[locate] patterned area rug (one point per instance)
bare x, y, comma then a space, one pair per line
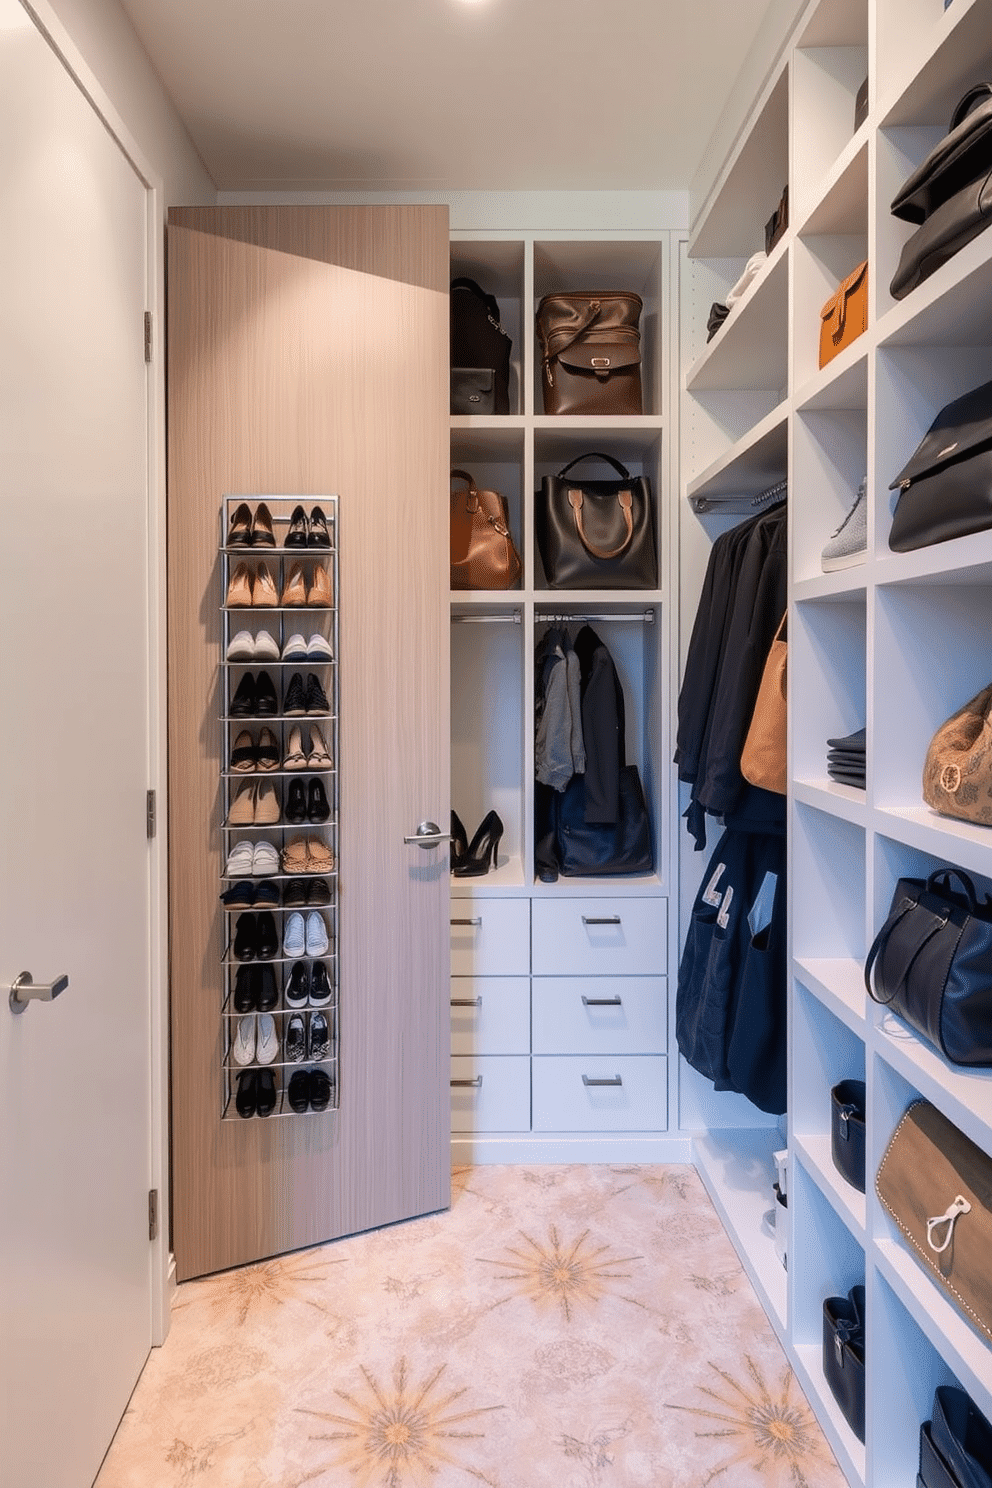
560, 1327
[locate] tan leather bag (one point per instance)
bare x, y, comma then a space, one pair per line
763, 760
591, 350
957, 772
845, 315
482, 552
937, 1186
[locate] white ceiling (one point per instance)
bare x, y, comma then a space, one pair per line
429, 95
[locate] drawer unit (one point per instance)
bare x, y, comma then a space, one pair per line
490, 937
491, 1093
600, 937
600, 1015
490, 1015
600, 1093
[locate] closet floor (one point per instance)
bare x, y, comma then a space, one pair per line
559, 1326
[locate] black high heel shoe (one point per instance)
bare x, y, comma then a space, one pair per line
459, 842
484, 845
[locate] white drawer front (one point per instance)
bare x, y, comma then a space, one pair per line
600, 1015
490, 1015
491, 1094
564, 1101
490, 937
600, 937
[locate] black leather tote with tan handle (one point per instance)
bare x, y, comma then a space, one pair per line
596, 534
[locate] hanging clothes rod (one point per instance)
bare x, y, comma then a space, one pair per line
545, 617
513, 619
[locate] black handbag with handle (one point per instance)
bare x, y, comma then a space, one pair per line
945, 489
931, 963
847, 1131
479, 345
844, 1355
596, 534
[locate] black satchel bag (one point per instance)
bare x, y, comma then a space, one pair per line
844, 1355
479, 345
604, 849
596, 534
956, 1445
945, 490
847, 1131
932, 964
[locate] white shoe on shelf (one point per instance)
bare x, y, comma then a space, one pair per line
243, 1048
268, 1039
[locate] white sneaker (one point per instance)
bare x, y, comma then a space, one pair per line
240, 860
265, 860
295, 939
266, 647
268, 1039
319, 649
295, 648
243, 1048
316, 934
242, 647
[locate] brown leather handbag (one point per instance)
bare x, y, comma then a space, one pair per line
763, 760
845, 315
483, 555
591, 350
957, 773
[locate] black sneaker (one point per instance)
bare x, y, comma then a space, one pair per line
295, 893
316, 697
296, 1039
266, 702
240, 895
268, 992
318, 892
320, 986
244, 700
245, 990
266, 892
320, 1036
294, 704
298, 1092
297, 989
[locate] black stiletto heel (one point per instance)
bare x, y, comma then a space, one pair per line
459, 842
483, 847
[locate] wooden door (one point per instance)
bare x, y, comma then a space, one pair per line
308, 355
75, 862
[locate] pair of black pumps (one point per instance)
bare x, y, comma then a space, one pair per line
307, 802
472, 859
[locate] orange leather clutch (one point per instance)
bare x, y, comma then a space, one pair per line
845, 315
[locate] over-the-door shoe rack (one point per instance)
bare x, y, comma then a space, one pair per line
281, 622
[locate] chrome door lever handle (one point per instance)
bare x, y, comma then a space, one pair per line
25, 989
428, 834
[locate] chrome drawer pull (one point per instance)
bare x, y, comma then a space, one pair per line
601, 920
601, 1002
476, 1084
476, 921
591, 1080
466, 1002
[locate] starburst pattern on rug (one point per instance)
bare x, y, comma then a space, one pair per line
405, 1434
560, 1274
273, 1283
775, 1435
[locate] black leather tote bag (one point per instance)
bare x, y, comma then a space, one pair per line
945, 490
962, 156
604, 849
956, 1445
478, 343
596, 534
847, 1131
931, 963
844, 1355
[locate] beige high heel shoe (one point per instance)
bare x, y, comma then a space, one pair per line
242, 812
295, 589
319, 594
267, 808
263, 594
239, 589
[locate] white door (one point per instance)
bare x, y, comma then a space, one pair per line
74, 741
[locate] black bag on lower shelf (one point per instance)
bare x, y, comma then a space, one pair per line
847, 1131
956, 1446
844, 1355
604, 849
478, 343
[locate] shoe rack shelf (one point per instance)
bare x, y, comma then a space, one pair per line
302, 836
895, 644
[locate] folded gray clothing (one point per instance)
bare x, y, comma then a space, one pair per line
845, 757
856, 740
848, 777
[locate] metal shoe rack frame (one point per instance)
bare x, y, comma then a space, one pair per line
281, 622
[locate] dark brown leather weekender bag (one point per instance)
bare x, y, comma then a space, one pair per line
591, 352
937, 1186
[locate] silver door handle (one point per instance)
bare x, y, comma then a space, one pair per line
476, 1084
601, 1002
466, 1002
476, 921
592, 1080
25, 989
428, 834
601, 920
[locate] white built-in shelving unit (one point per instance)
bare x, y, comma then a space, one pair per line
535, 978
895, 644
